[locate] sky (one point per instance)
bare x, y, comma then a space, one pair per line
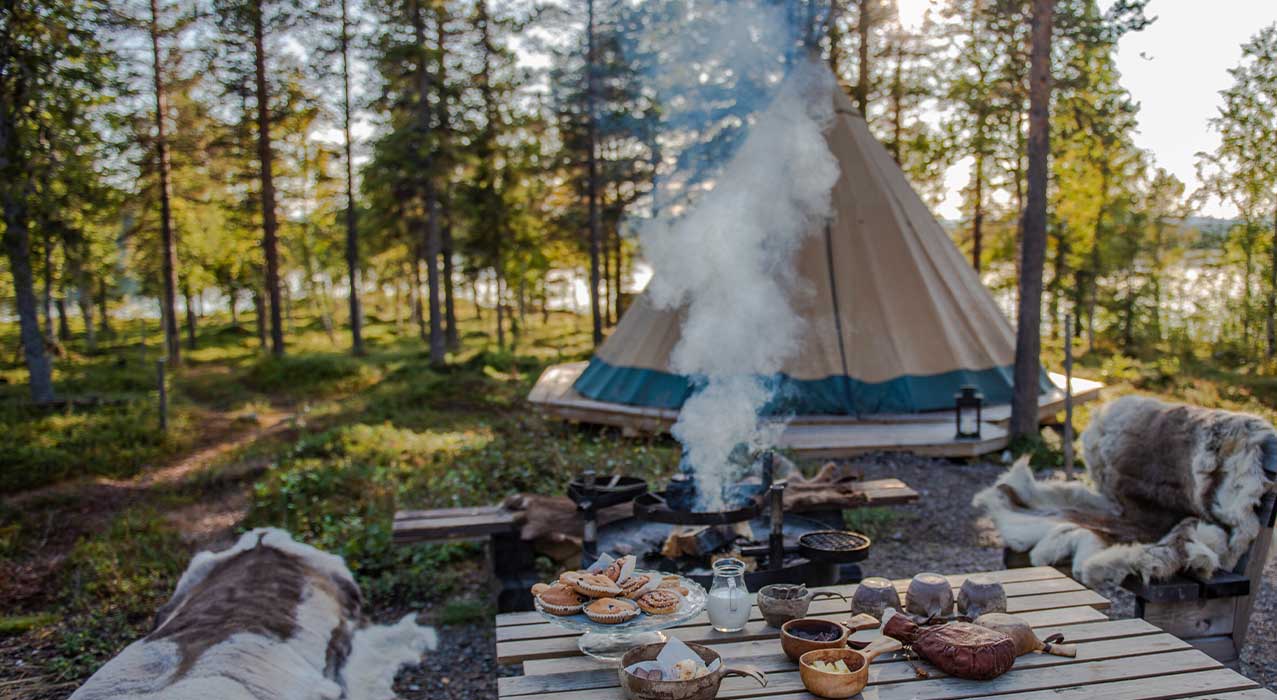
1175, 69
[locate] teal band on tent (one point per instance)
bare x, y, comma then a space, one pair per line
835, 395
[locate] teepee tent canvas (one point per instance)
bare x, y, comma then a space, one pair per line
897, 322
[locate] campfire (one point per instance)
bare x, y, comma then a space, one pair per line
669, 533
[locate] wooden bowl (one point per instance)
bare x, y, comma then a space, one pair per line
780, 603
703, 688
874, 596
929, 595
842, 685
795, 646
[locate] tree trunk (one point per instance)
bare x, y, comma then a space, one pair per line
64, 328
451, 337
592, 177
168, 245
897, 103
835, 38
17, 243
1272, 296
977, 220
429, 229
259, 308
1028, 345
232, 300
1247, 250
190, 316
49, 331
84, 299
617, 272
266, 156
499, 279
104, 318
352, 227
864, 22
414, 294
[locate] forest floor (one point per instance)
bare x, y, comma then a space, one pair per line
102, 511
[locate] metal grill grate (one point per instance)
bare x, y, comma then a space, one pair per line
834, 541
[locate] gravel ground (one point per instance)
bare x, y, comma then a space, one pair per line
941, 533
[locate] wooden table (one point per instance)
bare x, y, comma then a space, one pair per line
1116, 660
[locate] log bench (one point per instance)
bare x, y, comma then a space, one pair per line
1212, 614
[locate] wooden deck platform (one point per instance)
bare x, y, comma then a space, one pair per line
928, 433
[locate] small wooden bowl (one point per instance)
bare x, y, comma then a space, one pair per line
795, 646
842, 685
777, 607
874, 596
929, 595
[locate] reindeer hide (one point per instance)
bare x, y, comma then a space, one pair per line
267, 619
1173, 488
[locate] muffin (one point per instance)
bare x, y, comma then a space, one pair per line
659, 602
569, 578
596, 586
560, 600
611, 611
540, 588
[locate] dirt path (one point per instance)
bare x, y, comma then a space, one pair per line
70, 510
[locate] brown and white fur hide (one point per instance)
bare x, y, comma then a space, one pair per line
267, 619
1173, 488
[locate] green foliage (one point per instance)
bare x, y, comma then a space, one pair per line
116, 441
464, 612
876, 522
297, 375
132, 563
17, 624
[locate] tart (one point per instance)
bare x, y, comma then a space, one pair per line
560, 600
659, 602
611, 611
596, 586
635, 586
673, 583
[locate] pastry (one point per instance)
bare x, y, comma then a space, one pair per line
596, 586
611, 611
569, 578
560, 600
635, 586
540, 588
673, 583
687, 669
621, 569
659, 602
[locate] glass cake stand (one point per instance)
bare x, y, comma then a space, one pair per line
610, 642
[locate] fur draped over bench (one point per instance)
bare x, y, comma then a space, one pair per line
267, 619
1173, 489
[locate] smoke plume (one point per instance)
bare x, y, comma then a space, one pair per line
727, 259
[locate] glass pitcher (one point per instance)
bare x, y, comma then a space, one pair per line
728, 603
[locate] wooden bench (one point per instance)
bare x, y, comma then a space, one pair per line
1212, 614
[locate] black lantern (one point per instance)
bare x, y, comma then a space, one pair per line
967, 406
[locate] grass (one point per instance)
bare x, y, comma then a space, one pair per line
358, 439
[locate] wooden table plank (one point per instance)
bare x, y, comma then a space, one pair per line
1096, 641
884, 684
518, 651
1083, 631
1005, 577
1214, 684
